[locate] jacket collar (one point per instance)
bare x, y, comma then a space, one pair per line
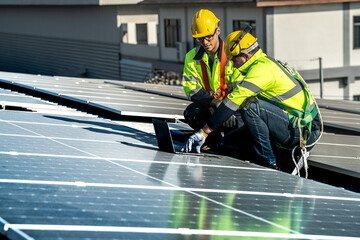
201, 51
245, 67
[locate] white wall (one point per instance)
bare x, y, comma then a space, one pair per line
302, 33
130, 33
334, 89
354, 88
131, 16
153, 33
331, 89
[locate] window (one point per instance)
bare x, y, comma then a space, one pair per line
239, 25
357, 32
172, 32
356, 97
141, 33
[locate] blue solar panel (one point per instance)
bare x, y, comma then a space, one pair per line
100, 94
66, 175
82, 177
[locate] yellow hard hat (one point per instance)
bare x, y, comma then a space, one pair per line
236, 43
204, 23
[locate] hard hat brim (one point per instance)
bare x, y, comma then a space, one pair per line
203, 34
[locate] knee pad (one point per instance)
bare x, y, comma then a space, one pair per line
196, 115
251, 107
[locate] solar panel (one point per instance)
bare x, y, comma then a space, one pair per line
78, 176
74, 178
17, 101
102, 95
8, 96
340, 105
337, 152
341, 120
165, 90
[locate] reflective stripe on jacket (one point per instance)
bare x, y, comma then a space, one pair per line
193, 83
265, 79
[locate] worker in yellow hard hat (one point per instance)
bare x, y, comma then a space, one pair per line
207, 76
274, 101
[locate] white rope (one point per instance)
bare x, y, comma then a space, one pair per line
303, 150
320, 117
293, 158
303, 147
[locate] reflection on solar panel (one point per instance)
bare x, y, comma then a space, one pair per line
118, 97
166, 90
77, 176
86, 178
102, 95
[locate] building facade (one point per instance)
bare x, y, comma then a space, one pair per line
130, 39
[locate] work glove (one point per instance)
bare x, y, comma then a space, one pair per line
231, 122
197, 140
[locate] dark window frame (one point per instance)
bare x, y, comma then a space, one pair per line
144, 27
240, 24
356, 38
172, 32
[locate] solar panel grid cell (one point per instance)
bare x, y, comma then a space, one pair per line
83, 177
96, 92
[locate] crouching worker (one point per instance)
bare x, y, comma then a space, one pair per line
274, 102
207, 76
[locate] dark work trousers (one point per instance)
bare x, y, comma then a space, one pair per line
269, 124
238, 142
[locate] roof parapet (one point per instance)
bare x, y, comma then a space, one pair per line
69, 2
276, 3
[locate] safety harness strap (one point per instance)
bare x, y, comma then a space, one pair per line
222, 92
223, 86
308, 114
298, 118
205, 76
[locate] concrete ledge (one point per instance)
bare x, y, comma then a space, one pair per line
69, 2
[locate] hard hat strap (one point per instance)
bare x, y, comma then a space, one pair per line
246, 30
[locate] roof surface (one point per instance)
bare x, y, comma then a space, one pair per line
68, 174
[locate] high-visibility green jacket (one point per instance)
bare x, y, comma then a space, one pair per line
268, 80
193, 78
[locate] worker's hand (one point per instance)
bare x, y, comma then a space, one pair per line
231, 122
197, 139
215, 103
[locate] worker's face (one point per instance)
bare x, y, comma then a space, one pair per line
211, 42
240, 60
